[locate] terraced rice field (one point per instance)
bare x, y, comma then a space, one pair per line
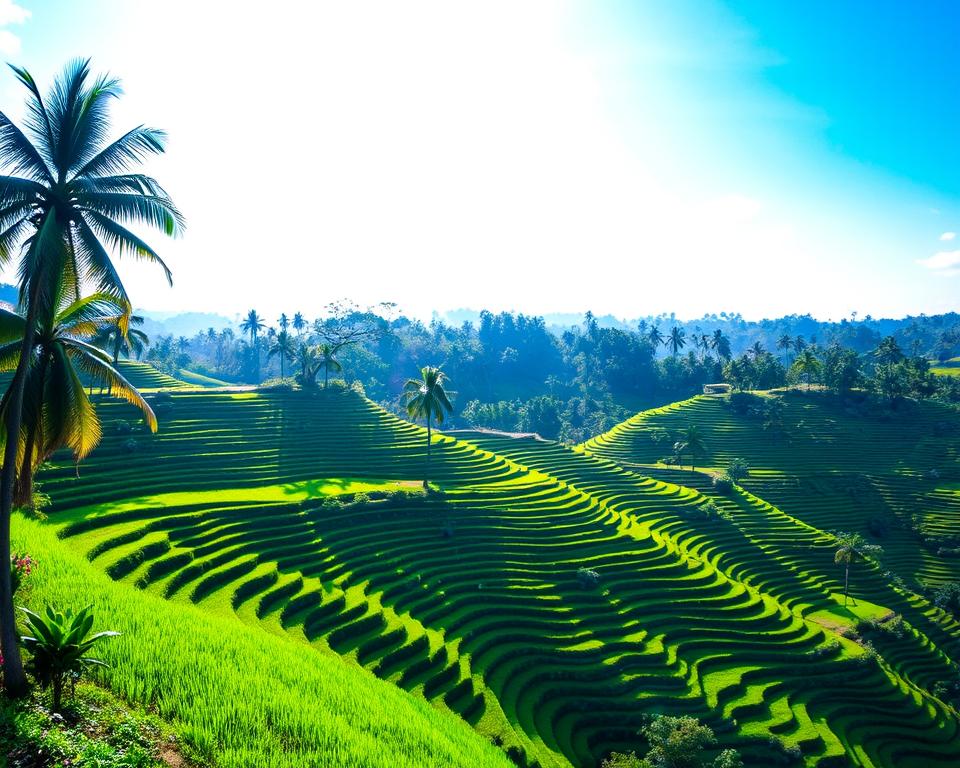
145, 377
949, 367
831, 466
470, 597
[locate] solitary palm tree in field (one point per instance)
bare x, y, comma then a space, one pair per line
283, 346
70, 197
785, 344
852, 547
807, 365
655, 336
57, 411
326, 361
426, 399
299, 323
252, 324
676, 340
720, 344
691, 442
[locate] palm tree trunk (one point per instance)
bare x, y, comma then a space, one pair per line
281, 364
426, 473
326, 376
15, 681
23, 494
846, 584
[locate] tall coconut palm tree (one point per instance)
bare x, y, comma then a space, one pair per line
756, 351
57, 411
252, 324
299, 323
283, 346
283, 321
799, 344
852, 547
655, 337
692, 442
426, 398
67, 201
807, 365
677, 340
785, 344
325, 353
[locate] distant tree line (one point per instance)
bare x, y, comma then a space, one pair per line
512, 372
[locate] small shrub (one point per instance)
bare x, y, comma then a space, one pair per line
587, 578
123, 428
709, 510
738, 469
623, 760
130, 446
723, 484
59, 644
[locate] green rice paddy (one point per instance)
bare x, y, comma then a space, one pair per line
469, 598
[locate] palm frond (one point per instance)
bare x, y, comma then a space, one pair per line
38, 121
96, 364
124, 241
138, 183
135, 146
92, 124
69, 418
157, 211
94, 262
64, 105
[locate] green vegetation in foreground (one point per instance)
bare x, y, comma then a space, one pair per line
95, 729
241, 695
473, 598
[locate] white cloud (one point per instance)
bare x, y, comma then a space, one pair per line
943, 263
9, 43
948, 236
11, 13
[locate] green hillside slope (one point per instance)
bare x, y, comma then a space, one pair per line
891, 474
474, 598
249, 698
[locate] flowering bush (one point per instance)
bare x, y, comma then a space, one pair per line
21, 566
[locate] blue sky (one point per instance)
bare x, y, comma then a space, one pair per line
623, 157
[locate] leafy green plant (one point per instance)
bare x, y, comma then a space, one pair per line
59, 642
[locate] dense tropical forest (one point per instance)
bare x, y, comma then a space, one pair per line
519, 374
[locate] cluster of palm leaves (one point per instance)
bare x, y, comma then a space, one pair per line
67, 199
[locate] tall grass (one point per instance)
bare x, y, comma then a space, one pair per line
248, 698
